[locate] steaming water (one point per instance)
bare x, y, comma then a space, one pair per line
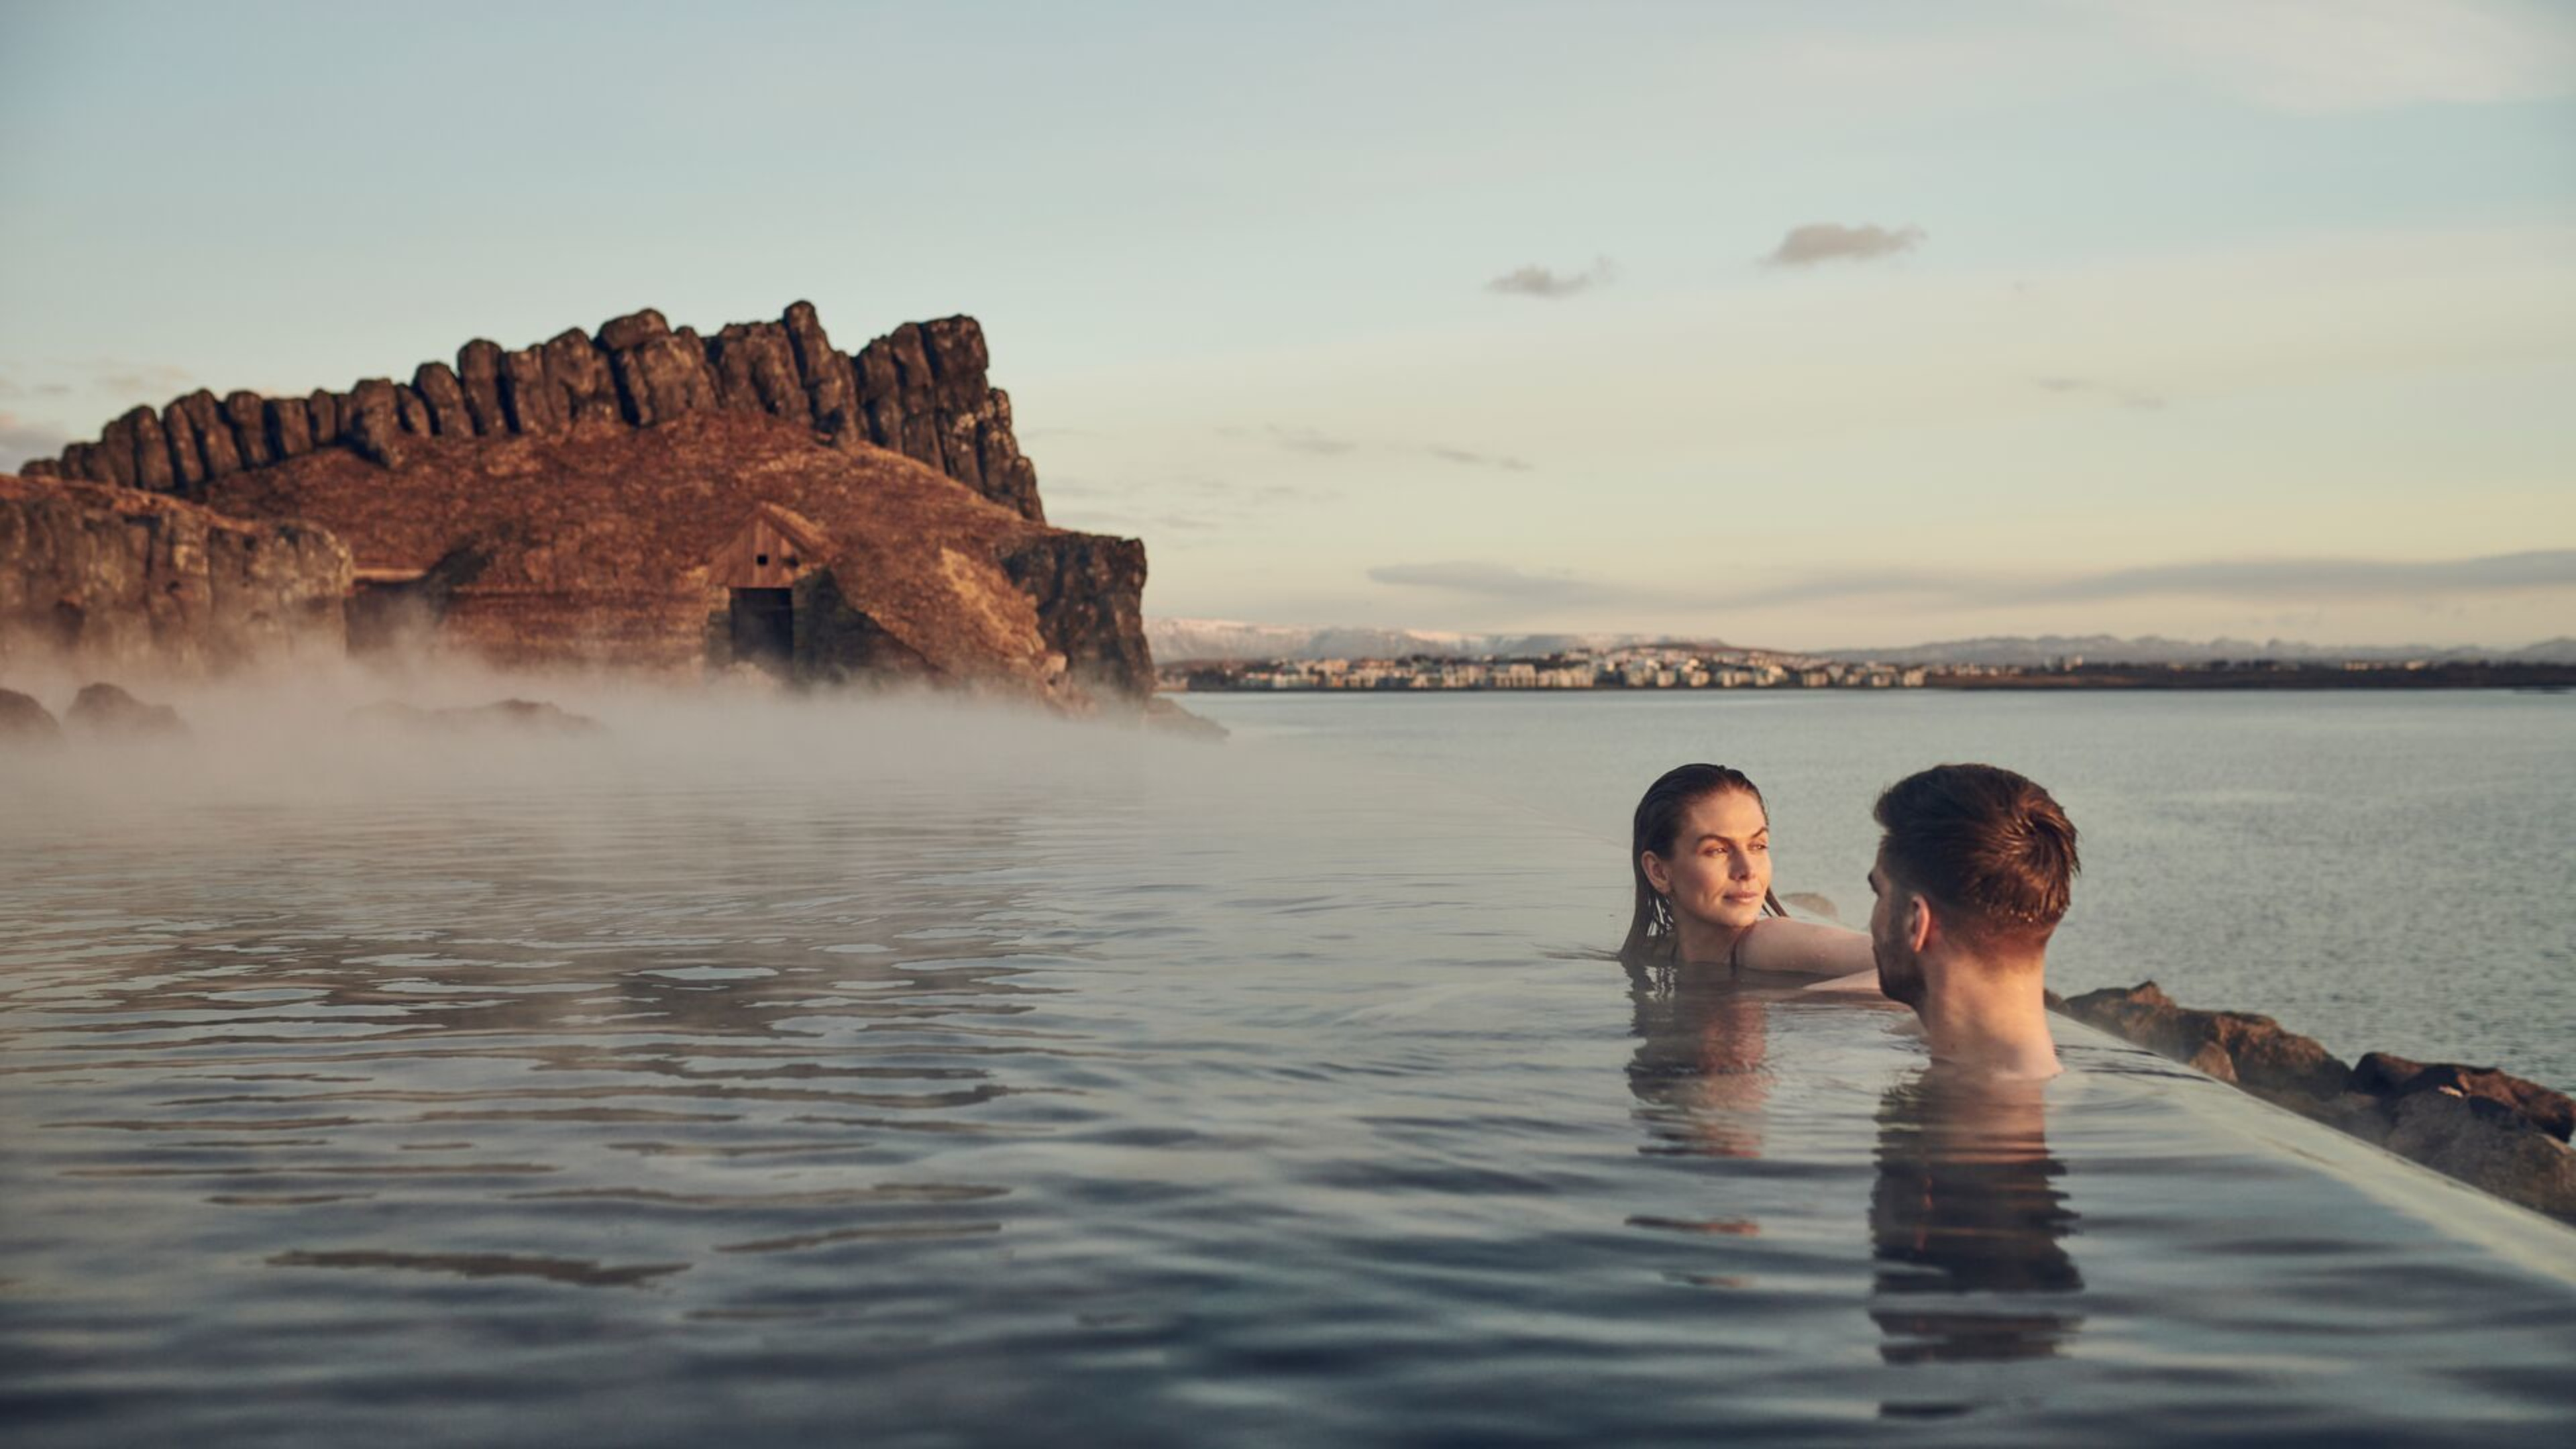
897, 1076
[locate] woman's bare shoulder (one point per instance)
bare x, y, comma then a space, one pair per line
1804, 948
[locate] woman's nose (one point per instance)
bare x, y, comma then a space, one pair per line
1739, 866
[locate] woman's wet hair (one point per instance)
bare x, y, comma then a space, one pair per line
1658, 821
1990, 845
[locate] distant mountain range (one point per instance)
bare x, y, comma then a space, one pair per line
1179, 640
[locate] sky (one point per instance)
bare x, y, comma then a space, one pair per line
1803, 324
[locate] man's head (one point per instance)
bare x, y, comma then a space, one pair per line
1975, 863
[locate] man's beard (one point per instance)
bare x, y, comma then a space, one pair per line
1900, 975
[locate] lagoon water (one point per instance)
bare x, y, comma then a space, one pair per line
2385, 871
909, 1076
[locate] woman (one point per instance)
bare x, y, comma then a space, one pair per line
1701, 851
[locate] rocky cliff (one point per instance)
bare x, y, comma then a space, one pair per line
611, 550
123, 579
599, 497
920, 391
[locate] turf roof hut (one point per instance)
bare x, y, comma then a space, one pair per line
758, 567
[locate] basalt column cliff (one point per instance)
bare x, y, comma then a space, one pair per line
645, 496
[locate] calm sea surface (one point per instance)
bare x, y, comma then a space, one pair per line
2391, 872
843, 1074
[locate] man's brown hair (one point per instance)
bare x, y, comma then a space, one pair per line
1989, 844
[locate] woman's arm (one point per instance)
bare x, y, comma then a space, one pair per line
1802, 948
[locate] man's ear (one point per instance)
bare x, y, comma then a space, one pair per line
1656, 876
1918, 922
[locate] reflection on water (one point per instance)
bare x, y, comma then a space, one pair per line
1698, 1074
1969, 1224
975, 1088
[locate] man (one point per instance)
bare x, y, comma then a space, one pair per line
1974, 871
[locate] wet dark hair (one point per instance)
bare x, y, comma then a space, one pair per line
1658, 820
1988, 844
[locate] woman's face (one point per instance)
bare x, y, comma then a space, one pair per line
1720, 868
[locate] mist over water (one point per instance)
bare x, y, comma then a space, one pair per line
768, 1067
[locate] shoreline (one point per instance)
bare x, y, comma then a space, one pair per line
2526, 679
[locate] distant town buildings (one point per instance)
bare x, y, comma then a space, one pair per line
1671, 666
1632, 667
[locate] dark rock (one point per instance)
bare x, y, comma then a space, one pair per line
25, 722
437, 385
534, 717
2381, 1074
954, 348
730, 357
1090, 592
290, 428
2213, 1060
1002, 474
116, 451
831, 381
874, 366
322, 416
41, 468
371, 423
2252, 1051
2493, 1131
246, 418
884, 422
87, 461
2357, 1113
755, 368
913, 378
922, 391
151, 451
585, 392
526, 398
187, 463
958, 458
122, 581
411, 410
478, 373
214, 438
2487, 1145
663, 377
921, 441
620, 334
107, 712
